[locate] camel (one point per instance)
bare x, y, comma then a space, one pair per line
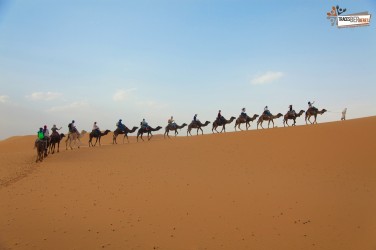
143, 130
264, 117
288, 116
73, 137
247, 121
41, 149
98, 136
120, 132
55, 139
223, 124
170, 127
198, 125
312, 112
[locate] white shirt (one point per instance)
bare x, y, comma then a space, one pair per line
47, 133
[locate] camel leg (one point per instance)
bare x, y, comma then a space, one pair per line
176, 132
315, 120
126, 135
58, 146
99, 141
150, 135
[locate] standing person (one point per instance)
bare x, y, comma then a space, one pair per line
343, 118
95, 129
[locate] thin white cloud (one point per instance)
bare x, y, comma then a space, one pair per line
4, 98
44, 96
122, 94
267, 77
72, 106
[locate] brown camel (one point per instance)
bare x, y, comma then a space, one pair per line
55, 139
198, 125
98, 136
73, 137
264, 117
247, 121
148, 130
41, 149
313, 112
293, 117
222, 123
171, 127
126, 131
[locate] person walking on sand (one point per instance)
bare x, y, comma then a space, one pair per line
343, 118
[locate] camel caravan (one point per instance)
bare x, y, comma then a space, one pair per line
46, 144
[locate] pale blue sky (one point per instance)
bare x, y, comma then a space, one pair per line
105, 60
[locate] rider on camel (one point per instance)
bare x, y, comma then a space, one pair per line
220, 117
144, 124
72, 128
54, 130
96, 129
291, 111
243, 114
172, 122
310, 106
120, 125
266, 111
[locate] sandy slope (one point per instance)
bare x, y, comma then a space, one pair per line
307, 187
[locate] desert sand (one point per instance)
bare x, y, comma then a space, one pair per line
303, 187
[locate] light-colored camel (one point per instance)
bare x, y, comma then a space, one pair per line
264, 117
247, 121
222, 123
289, 116
198, 125
175, 128
313, 112
73, 137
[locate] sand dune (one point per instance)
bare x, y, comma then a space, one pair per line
304, 187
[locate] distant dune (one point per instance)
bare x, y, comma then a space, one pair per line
303, 187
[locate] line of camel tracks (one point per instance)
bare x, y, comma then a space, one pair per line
46, 147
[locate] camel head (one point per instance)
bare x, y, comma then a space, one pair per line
232, 118
279, 115
323, 111
206, 123
158, 128
83, 132
107, 131
255, 116
299, 114
62, 135
184, 124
